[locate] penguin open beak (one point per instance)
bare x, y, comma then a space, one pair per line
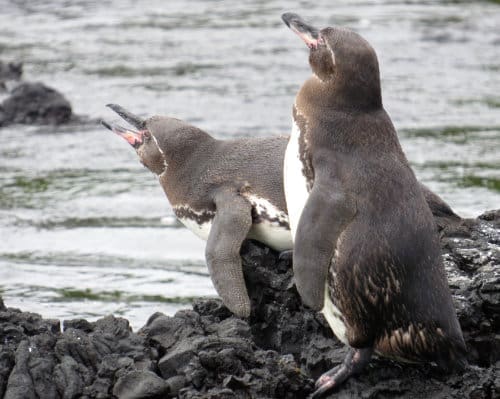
134, 138
134, 120
306, 32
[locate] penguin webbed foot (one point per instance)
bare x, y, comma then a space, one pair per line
353, 364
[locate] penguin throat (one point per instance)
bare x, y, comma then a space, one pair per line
165, 165
322, 79
345, 94
356, 88
160, 176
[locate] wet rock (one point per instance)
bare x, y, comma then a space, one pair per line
139, 385
471, 251
178, 357
206, 352
35, 103
29, 102
70, 377
473, 266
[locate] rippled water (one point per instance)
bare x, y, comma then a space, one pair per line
86, 231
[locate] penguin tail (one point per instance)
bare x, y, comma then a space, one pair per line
453, 357
425, 345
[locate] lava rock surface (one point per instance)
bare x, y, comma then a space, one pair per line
30, 102
208, 353
35, 103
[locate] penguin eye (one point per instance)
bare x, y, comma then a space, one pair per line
147, 135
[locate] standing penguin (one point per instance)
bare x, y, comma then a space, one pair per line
366, 251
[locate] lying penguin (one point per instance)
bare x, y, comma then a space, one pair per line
224, 191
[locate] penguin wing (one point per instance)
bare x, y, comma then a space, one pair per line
327, 212
231, 224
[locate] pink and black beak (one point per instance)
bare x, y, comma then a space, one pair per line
309, 34
134, 137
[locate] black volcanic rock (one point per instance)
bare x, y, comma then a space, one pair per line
30, 102
35, 103
208, 353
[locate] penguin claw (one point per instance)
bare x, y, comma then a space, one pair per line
353, 363
327, 385
327, 377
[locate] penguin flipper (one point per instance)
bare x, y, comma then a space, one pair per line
231, 224
327, 212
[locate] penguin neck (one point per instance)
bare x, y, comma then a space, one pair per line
177, 140
345, 92
180, 152
188, 162
322, 104
181, 161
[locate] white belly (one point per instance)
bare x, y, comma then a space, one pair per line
334, 318
278, 238
294, 181
272, 228
201, 230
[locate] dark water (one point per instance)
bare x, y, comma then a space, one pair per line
86, 231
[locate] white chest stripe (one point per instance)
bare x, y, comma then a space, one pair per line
296, 195
334, 318
294, 181
163, 155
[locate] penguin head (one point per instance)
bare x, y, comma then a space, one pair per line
159, 141
342, 60
144, 142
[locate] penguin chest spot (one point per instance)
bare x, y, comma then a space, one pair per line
269, 224
294, 179
199, 222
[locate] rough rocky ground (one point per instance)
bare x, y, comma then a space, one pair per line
207, 353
